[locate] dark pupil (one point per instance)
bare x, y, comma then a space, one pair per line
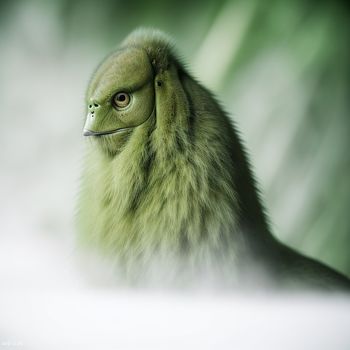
121, 97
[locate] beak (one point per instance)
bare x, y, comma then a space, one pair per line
87, 132
90, 133
90, 125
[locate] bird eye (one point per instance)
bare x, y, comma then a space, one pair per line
121, 100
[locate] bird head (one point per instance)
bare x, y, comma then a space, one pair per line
137, 89
120, 96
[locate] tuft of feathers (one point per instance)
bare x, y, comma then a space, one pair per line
167, 189
160, 47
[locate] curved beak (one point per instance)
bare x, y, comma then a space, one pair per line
87, 132
90, 125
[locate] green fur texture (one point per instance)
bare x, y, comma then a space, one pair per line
172, 188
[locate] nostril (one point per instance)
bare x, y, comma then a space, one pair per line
96, 105
90, 106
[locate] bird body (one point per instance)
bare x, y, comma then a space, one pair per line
167, 188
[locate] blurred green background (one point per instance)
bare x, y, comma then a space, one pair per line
280, 68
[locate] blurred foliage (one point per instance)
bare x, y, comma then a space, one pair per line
281, 68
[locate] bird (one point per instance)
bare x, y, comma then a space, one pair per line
167, 190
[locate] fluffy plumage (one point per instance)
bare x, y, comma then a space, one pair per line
166, 187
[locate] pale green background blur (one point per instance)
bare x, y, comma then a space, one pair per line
280, 68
